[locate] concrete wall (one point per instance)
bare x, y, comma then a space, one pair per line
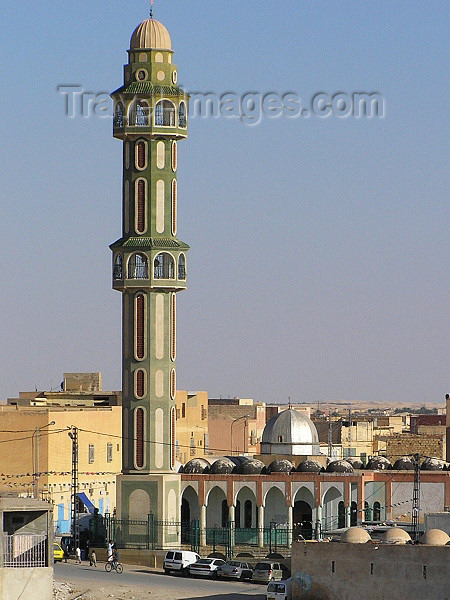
337, 571
440, 520
26, 584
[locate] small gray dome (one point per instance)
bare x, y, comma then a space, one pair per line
196, 466
222, 466
355, 535
396, 535
252, 466
405, 463
434, 537
280, 465
309, 466
339, 466
355, 462
378, 463
433, 464
290, 432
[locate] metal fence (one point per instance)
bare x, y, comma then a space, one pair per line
23, 550
151, 534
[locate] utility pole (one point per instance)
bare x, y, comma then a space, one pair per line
36, 458
416, 498
73, 434
330, 435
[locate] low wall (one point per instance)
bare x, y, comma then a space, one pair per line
339, 571
26, 584
131, 556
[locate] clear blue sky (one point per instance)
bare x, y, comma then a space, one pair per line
319, 266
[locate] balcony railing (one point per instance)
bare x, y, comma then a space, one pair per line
25, 551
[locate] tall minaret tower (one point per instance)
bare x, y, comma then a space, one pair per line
149, 268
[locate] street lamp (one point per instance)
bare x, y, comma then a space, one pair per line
235, 421
36, 457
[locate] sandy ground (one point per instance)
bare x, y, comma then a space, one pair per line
77, 591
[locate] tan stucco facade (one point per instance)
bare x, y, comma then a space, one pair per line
192, 433
99, 454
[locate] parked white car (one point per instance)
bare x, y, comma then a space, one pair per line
279, 590
206, 567
179, 561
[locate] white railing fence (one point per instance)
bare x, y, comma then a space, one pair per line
24, 550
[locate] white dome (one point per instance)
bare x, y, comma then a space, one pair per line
150, 34
290, 432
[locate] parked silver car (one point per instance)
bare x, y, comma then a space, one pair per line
270, 571
235, 569
206, 567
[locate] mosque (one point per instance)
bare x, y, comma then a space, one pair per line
290, 483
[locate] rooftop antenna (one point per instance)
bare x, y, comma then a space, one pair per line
151, 8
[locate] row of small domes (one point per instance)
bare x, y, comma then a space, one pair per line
395, 535
251, 466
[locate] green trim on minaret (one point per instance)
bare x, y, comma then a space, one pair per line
149, 261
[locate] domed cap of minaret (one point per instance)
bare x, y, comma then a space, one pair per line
150, 34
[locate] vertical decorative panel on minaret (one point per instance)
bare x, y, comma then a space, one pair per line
149, 261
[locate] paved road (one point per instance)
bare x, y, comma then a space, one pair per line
151, 584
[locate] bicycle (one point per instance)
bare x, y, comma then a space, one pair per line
114, 565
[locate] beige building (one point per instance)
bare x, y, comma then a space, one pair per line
396, 446
236, 426
192, 434
36, 456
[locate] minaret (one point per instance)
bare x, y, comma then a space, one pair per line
149, 268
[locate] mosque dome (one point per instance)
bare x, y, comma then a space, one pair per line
433, 464
434, 537
252, 466
355, 462
339, 466
150, 34
196, 466
280, 465
290, 432
309, 466
396, 535
222, 466
404, 463
355, 535
378, 463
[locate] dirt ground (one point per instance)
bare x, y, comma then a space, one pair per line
72, 591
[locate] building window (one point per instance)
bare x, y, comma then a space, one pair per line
183, 410
174, 156
139, 437
109, 453
91, 453
140, 326
182, 115
138, 267
173, 451
341, 515
164, 266
367, 512
165, 114
141, 198
376, 511
118, 117
353, 514
193, 449
247, 514
182, 267
204, 413
174, 207
141, 155
173, 384
280, 438
118, 270
225, 513
139, 116
140, 383
173, 328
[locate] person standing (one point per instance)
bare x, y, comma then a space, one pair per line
93, 559
78, 555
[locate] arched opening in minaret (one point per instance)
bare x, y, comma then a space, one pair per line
118, 270
182, 267
139, 115
182, 121
164, 266
138, 267
165, 114
119, 116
